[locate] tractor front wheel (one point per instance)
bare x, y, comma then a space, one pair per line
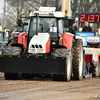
77, 62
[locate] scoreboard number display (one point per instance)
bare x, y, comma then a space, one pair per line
90, 17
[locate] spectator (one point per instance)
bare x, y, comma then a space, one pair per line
96, 32
87, 28
73, 28
88, 65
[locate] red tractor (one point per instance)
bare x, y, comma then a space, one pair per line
46, 50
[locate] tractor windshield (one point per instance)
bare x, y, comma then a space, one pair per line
45, 25
25, 28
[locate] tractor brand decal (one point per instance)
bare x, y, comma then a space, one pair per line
44, 14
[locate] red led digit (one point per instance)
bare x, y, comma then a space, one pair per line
82, 19
90, 18
97, 18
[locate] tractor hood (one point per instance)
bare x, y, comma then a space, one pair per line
39, 43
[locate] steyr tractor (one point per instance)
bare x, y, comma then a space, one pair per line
46, 50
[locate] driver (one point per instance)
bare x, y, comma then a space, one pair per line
44, 24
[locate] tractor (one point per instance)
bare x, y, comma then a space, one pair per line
47, 49
14, 35
4, 36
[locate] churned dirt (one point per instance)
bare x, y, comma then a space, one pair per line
47, 89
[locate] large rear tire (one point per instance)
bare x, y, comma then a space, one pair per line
16, 51
64, 53
77, 62
7, 51
12, 51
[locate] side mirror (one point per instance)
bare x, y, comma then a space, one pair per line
19, 22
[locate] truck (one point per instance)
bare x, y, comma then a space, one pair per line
46, 50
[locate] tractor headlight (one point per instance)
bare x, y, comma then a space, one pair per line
53, 43
40, 50
32, 50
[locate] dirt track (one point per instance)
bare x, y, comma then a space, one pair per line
46, 89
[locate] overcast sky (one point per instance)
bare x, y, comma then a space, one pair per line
1, 6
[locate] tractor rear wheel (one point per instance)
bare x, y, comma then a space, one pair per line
17, 51
12, 51
64, 53
77, 62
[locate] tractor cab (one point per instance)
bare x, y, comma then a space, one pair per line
24, 26
48, 25
45, 23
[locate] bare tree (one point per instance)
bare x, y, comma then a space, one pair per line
85, 6
17, 8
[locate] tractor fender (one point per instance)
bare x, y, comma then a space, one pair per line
22, 39
68, 40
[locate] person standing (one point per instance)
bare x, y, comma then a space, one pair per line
86, 28
73, 28
96, 32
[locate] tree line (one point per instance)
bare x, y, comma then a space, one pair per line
17, 8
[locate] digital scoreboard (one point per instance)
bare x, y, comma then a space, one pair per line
90, 17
